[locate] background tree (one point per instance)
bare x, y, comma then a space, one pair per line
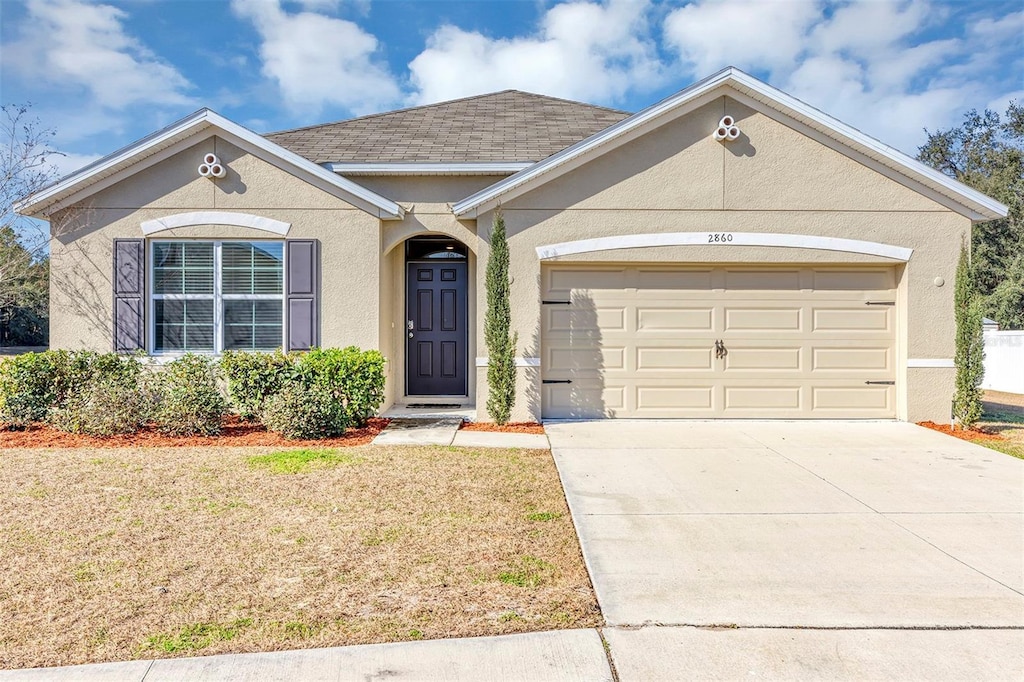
501, 344
24, 265
987, 153
969, 354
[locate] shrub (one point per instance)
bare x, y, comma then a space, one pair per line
969, 353
501, 342
254, 377
34, 383
189, 402
103, 408
354, 377
305, 411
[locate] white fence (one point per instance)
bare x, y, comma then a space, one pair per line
1004, 361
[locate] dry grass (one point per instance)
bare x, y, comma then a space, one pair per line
120, 554
1004, 415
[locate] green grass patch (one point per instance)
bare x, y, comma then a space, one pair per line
299, 461
528, 571
196, 636
1005, 447
299, 630
543, 516
1003, 417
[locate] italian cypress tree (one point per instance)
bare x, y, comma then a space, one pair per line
970, 349
501, 344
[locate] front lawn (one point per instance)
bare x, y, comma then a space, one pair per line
1004, 415
116, 554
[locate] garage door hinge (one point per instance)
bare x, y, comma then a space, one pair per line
557, 302
879, 302
880, 383
556, 381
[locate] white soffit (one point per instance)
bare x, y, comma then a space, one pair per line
119, 165
967, 201
798, 241
469, 168
215, 218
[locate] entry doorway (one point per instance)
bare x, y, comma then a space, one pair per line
436, 321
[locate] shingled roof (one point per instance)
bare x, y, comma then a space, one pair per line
506, 126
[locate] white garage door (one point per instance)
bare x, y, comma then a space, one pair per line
733, 341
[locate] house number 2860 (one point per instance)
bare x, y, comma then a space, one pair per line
719, 237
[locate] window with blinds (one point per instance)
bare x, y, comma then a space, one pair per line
213, 296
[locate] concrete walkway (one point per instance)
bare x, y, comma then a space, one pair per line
444, 431
567, 655
639, 655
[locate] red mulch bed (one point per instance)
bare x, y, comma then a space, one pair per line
511, 427
235, 433
963, 434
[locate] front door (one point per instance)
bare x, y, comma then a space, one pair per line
436, 328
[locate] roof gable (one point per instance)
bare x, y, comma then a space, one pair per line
508, 127
761, 97
155, 147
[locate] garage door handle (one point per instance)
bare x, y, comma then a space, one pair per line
880, 383
879, 302
720, 350
557, 302
556, 381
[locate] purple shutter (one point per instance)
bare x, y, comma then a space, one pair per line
302, 285
129, 295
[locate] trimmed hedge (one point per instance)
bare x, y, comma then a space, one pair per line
301, 411
32, 384
252, 378
353, 377
189, 402
107, 393
104, 408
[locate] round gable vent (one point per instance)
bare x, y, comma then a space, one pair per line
211, 167
727, 130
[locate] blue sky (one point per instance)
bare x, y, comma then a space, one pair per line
104, 74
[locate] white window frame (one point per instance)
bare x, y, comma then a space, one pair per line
218, 296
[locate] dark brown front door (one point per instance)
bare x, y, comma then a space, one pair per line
436, 328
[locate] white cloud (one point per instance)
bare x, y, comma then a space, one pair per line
864, 27
581, 50
748, 34
865, 62
318, 60
72, 42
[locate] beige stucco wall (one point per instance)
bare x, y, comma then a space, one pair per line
677, 178
82, 241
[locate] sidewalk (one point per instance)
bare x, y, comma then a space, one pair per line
640, 654
445, 431
561, 656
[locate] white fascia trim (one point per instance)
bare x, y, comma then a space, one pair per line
739, 80
931, 362
215, 218
109, 163
797, 241
389, 210
520, 362
483, 168
120, 160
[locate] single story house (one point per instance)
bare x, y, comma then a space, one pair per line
729, 252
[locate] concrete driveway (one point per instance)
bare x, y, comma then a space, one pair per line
868, 526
